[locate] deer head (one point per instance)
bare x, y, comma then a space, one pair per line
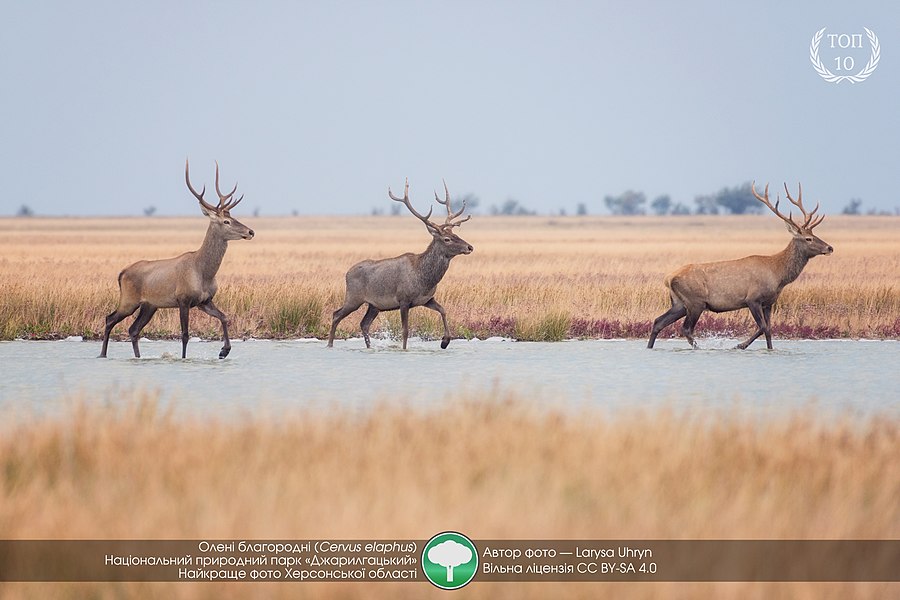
220, 215
802, 232
442, 233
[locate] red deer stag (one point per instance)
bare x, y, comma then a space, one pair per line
408, 280
753, 282
182, 282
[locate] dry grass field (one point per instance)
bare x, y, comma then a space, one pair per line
511, 471
532, 278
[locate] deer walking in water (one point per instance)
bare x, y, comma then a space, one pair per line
754, 282
182, 282
408, 280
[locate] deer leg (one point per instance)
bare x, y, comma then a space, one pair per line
211, 309
757, 311
183, 312
367, 322
664, 320
337, 317
767, 313
134, 332
113, 319
433, 305
404, 321
687, 328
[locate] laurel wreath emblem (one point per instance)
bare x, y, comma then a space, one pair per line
830, 77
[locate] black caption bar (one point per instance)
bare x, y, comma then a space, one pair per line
498, 560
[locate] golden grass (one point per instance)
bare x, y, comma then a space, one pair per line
529, 277
495, 468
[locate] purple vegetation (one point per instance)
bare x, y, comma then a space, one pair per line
809, 332
607, 329
709, 325
890, 331
495, 326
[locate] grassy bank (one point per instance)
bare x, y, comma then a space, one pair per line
491, 467
531, 278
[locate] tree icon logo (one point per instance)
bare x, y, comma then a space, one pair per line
450, 560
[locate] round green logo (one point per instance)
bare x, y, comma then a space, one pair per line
450, 560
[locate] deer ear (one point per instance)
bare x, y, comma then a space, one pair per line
795, 231
433, 230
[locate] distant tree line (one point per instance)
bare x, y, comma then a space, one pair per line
511, 207
854, 207
737, 200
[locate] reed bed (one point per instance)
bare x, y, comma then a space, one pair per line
497, 467
531, 278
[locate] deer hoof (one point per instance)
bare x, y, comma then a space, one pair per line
224, 352
445, 342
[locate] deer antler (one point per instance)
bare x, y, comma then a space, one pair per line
405, 200
810, 219
774, 209
450, 214
224, 204
187, 180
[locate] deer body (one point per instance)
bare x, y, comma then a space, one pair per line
731, 284
409, 279
183, 282
405, 281
168, 283
753, 282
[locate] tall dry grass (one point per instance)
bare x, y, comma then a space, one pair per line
532, 278
494, 468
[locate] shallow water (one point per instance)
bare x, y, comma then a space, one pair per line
857, 377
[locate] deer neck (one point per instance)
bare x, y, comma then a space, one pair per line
433, 264
792, 260
209, 256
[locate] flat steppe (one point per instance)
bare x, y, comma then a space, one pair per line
531, 278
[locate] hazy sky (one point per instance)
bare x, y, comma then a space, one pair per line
319, 106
